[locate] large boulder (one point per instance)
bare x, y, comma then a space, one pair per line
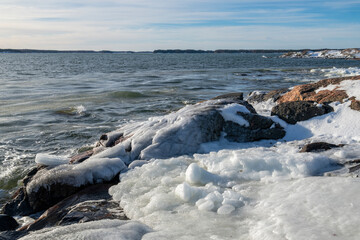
313, 92
292, 112
259, 128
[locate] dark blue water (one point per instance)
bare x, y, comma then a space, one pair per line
57, 103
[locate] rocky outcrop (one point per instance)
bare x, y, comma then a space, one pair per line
307, 92
349, 53
319, 147
292, 112
7, 223
256, 97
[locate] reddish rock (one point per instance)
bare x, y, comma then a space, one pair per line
307, 92
355, 105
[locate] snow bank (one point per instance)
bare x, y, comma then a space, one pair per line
103, 229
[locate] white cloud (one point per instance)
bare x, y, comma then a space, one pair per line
147, 25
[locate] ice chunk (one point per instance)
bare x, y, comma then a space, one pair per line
50, 160
226, 209
187, 192
197, 175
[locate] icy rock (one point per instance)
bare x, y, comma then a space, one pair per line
255, 97
49, 186
293, 112
92, 203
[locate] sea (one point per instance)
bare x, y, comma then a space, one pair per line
58, 103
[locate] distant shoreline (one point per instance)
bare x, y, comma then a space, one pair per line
160, 51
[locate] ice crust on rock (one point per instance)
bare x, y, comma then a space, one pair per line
93, 170
102, 229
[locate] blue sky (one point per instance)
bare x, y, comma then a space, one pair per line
198, 24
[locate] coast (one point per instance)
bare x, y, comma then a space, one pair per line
278, 141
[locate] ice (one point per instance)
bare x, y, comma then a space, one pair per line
102, 229
308, 208
338, 72
229, 114
93, 170
50, 160
197, 175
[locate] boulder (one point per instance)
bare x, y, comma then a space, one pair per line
355, 105
255, 97
7, 223
292, 112
307, 92
319, 147
18, 205
90, 204
259, 128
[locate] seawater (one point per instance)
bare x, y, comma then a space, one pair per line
58, 103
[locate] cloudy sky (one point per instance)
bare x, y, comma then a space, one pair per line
161, 24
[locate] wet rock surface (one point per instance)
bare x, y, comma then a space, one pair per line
293, 112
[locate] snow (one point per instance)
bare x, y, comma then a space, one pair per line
338, 72
229, 113
103, 229
259, 190
249, 190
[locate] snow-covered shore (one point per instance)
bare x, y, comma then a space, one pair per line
350, 53
178, 183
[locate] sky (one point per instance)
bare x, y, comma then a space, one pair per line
144, 25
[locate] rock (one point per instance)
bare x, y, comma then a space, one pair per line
81, 156
260, 127
355, 105
354, 168
7, 223
255, 97
11, 235
307, 92
233, 96
90, 204
19, 205
319, 147
292, 112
